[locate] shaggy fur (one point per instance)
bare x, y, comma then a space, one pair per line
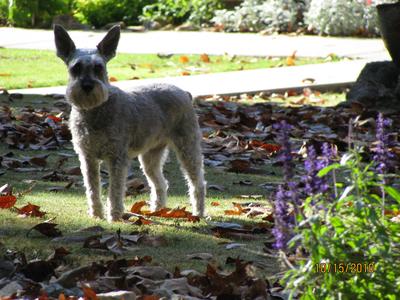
110, 125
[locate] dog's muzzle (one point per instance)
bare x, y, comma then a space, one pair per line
87, 85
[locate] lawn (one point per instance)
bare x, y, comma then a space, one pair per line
180, 238
68, 206
41, 68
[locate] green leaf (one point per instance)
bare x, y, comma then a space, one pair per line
395, 194
345, 158
327, 169
346, 191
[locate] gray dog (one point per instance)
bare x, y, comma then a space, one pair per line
110, 125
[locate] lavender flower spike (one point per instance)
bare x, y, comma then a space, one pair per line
286, 151
382, 155
282, 220
314, 184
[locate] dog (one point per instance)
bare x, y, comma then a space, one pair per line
111, 126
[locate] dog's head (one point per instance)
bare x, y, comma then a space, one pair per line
88, 79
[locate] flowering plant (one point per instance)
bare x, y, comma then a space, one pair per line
350, 242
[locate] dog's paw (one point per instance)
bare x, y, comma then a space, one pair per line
96, 214
114, 217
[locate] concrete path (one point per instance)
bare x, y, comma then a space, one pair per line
205, 42
319, 76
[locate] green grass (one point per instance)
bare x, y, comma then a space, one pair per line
41, 68
69, 210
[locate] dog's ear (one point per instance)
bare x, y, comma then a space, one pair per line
108, 46
64, 44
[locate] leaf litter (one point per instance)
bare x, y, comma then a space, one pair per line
237, 138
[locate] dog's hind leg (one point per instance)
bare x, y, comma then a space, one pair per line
90, 169
188, 151
118, 171
152, 163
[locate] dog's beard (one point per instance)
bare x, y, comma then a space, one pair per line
86, 101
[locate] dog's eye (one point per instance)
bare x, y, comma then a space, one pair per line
76, 69
98, 69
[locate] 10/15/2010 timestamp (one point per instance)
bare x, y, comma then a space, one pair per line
343, 267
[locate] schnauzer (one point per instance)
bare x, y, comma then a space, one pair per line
113, 126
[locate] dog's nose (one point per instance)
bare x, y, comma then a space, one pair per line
87, 85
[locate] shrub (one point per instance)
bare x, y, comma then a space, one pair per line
36, 13
343, 17
101, 12
257, 15
3, 12
176, 12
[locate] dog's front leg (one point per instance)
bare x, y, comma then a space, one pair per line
90, 169
118, 169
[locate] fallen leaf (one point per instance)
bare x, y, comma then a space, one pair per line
291, 60
31, 210
308, 80
60, 188
183, 59
185, 73
7, 201
244, 182
150, 297
137, 207
216, 187
38, 270
39, 160
238, 210
205, 58
46, 228
240, 166
88, 293
54, 118
113, 79
215, 203
76, 171
142, 221
6, 190
200, 256
234, 246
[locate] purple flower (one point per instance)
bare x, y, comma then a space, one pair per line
313, 183
286, 157
283, 222
328, 154
382, 155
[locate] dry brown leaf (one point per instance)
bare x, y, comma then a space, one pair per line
205, 58
291, 60
31, 210
137, 207
237, 211
7, 201
46, 228
183, 59
88, 293
142, 221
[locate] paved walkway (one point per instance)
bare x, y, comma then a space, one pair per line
318, 76
205, 42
